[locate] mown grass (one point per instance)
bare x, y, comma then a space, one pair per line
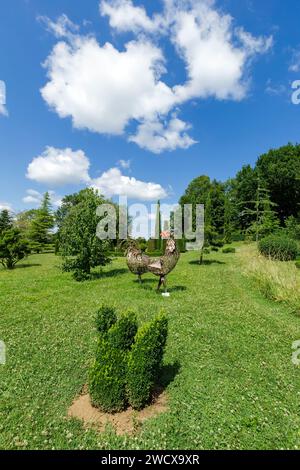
231, 382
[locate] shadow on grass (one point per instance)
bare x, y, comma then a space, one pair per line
176, 289
27, 265
111, 273
168, 373
206, 262
153, 284
145, 281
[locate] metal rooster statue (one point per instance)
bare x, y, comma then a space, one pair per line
139, 263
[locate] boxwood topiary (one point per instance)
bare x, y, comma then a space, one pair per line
145, 360
279, 248
122, 334
105, 318
107, 378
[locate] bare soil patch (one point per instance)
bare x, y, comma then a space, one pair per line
125, 422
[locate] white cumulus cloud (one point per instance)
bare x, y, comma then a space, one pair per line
159, 137
103, 88
5, 206
114, 183
35, 197
65, 166
57, 167
125, 16
119, 86
215, 54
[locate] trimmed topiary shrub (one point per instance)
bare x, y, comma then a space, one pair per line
122, 334
105, 318
278, 248
145, 361
297, 264
107, 378
127, 360
229, 249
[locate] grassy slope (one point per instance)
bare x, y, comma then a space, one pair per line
236, 387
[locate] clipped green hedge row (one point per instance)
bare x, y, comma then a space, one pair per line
127, 361
278, 248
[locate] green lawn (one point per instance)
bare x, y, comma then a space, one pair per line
231, 382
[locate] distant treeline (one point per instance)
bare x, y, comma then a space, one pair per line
257, 202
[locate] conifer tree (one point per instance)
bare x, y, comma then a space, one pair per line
42, 224
6, 221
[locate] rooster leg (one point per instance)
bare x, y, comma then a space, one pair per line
165, 283
159, 283
140, 278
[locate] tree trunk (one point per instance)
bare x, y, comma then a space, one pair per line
201, 257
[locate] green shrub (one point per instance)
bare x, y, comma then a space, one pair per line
123, 332
105, 318
214, 248
278, 247
145, 361
297, 264
238, 237
107, 380
206, 251
117, 254
229, 249
108, 376
127, 360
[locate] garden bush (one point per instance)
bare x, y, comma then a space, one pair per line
107, 376
107, 380
229, 249
297, 264
105, 318
145, 361
127, 360
278, 247
117, 254
123, 332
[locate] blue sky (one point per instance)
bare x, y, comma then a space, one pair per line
179, 90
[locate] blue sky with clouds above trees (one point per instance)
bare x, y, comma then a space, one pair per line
137, 97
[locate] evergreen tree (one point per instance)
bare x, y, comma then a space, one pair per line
266, 220
42, 223
13, 247
6, 221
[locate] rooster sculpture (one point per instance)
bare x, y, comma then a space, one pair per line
139, 263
